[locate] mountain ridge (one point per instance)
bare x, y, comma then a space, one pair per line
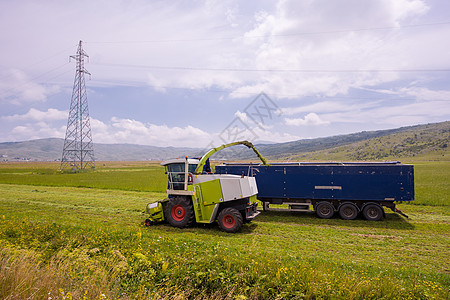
403, 142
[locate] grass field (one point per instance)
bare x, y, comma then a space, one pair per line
79, 236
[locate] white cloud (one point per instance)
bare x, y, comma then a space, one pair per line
402, 9
36, 115
323, 107
34, 124
156, 83
17, 87
241, 115
37, 130
135, 132
397, 113
329, 44
190, 36
274, 136
418, 92
309, 119
425, 94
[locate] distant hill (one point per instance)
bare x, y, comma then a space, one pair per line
411, 141
51, 150
430, 139
36, 150
435, 134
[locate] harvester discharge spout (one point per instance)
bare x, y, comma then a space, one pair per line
208, 154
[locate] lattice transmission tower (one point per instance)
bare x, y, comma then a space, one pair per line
78, 151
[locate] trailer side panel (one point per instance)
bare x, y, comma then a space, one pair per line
331, 181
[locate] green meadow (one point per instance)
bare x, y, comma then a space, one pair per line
80, 236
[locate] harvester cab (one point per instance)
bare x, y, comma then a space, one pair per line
197, 195
178, 178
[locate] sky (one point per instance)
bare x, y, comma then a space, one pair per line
202, 73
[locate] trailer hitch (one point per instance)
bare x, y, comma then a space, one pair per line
396, 210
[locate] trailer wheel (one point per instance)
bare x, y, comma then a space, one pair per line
325, 210
230, 220
348, 211
179, 212
373, 212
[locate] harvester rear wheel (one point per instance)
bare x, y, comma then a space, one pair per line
230, 220
179, 212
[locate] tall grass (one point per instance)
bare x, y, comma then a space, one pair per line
92, 242
115, 264
65, 241
65, 275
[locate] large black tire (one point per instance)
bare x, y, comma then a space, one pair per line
325, 210
373, 212
348, 211
230, 220
179, 212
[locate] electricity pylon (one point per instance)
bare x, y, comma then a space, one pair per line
78, 151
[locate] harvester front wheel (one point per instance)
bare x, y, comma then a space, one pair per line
230, 220
179, 212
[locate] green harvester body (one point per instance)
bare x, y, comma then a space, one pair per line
196, 195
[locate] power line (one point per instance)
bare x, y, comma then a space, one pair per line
229, 91
50, 57
271, 70
41, 61
273, 35
32, 80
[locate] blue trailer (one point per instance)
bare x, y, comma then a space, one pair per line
344, 188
